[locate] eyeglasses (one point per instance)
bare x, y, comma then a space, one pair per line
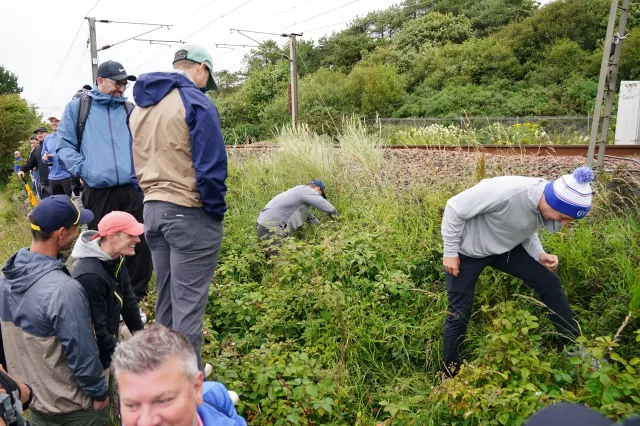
120, 84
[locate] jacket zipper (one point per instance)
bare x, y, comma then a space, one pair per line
113, 146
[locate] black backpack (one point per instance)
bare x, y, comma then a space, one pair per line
84, 106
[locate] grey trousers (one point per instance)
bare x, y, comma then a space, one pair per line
185, 244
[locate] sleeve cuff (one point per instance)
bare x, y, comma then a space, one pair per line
451, 253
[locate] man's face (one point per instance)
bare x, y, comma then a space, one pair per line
34, 143
164, 397
552, 214
41, 135
123, 243
112, 87
54, 122
16, 155
67, 236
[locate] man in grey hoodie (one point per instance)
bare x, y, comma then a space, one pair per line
289, 210
496, 223
102, 272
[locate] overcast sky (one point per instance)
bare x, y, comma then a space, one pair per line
36, 35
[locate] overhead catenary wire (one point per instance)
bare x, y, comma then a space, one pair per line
320, 14
195, 32
68, 51
279, 32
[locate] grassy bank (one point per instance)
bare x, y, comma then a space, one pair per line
345, 327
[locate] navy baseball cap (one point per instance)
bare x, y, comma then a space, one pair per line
58, 211
319, 184
114, 71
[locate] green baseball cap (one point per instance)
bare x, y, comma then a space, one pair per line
196, 53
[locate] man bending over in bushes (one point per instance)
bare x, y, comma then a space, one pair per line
495, 223
289, 210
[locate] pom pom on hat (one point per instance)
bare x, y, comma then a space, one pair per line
571, 194
583, 174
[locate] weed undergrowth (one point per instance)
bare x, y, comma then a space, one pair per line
345, 326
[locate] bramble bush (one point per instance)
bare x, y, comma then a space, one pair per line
345, 326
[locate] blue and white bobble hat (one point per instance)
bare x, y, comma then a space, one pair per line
571, 194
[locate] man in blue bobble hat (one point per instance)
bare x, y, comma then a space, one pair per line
496, 223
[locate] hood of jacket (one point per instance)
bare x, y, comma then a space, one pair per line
25, 267
152, 87
217, 407
85, 247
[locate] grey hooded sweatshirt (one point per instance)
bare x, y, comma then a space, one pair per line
290, 209
496, 216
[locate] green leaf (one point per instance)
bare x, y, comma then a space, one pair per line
293, 418
605, 380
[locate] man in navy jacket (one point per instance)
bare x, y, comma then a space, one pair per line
181, 165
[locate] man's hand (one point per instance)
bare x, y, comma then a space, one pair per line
21, 174
99, 405
46, 156
451, 265
549, 261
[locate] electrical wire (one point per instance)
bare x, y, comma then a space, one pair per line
195, 32
318, 15
67, 55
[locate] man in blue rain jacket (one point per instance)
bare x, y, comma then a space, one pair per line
99, 154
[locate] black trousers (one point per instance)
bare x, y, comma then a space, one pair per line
272, 237
60, 187
126, 198
517, 263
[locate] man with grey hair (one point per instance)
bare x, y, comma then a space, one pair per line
159, 383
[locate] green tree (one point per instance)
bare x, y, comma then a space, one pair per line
17, 119
8, 82
377, 89
565, 59
344, 49
267, 53
435, 29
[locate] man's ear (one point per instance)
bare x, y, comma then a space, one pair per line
199, 379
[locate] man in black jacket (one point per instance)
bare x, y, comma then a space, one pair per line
35, 162
102, 273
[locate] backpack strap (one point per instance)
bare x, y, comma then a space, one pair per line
84, 105
128, 107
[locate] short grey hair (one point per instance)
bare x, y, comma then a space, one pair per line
185, 64
148, 349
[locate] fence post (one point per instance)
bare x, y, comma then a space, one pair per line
461, 125
517, 120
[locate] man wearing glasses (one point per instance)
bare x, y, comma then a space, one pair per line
99, 152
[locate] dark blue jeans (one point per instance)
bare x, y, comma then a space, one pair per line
517, 263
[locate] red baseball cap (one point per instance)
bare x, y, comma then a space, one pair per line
116, 222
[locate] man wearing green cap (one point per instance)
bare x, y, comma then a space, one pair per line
181, 165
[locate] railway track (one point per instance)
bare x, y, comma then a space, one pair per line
543, 150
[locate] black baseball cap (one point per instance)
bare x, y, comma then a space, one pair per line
114, 71
40, 129
58, 211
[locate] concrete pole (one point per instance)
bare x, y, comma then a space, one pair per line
94, 48
294, 80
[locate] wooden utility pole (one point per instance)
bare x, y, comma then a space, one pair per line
94, 48
608, 80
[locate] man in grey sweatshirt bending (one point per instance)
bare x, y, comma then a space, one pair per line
289, 210
496, 223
